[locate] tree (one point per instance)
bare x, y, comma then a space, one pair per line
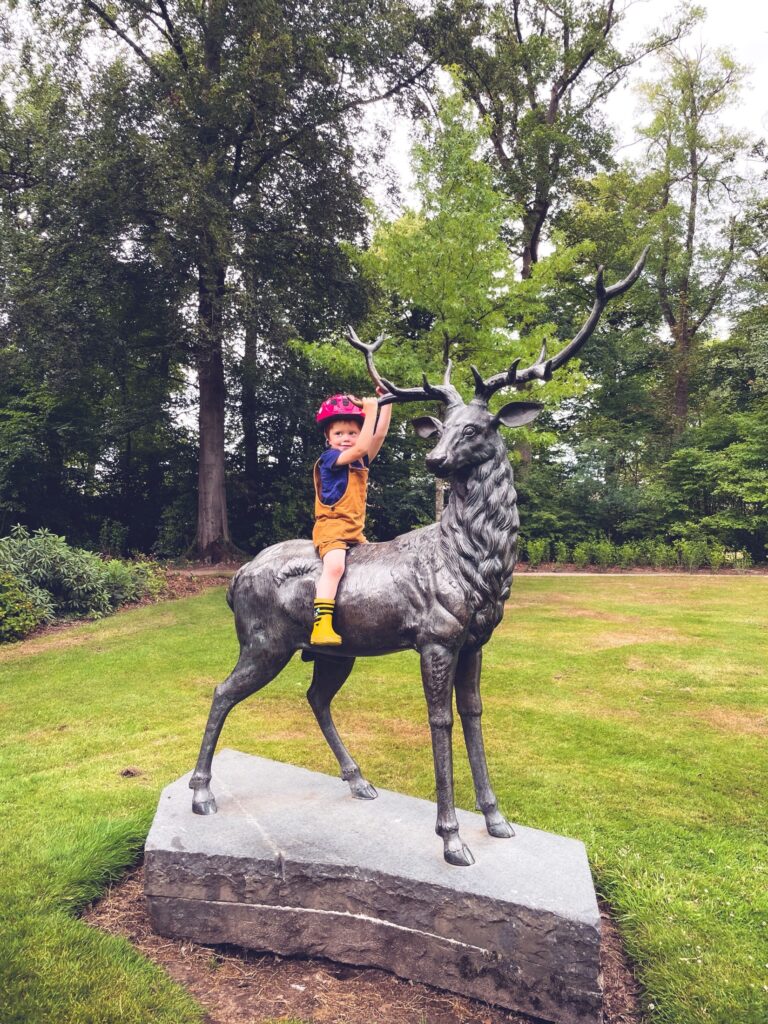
696, 195
449, 283
91, 344
540, 74
235, 88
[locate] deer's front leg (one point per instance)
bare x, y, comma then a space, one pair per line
438, 666
470, 708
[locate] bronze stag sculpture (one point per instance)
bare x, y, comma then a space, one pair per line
439, 590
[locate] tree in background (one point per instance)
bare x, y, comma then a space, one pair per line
449, 285
540, 74
663, 445
92, 344
695, 194
236, 88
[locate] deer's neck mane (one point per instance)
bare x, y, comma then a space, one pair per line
478, 534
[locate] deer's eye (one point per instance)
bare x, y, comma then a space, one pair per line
468, 432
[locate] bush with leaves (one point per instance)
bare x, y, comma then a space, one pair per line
693, 554
61, 580
18, 613
582, 554
562, 555
537, 551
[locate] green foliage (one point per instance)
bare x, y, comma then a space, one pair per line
18, 613
583, 554
59, 580
536, 552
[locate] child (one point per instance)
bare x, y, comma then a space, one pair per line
354, 438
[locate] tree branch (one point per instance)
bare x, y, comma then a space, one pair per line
103, 16
275, 151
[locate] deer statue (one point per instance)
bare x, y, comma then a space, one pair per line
439, 590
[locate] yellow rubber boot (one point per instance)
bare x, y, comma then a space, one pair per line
323, 631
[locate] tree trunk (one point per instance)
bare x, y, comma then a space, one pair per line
248, 411
212, 541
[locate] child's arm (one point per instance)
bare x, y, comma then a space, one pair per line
385, 415
365, 439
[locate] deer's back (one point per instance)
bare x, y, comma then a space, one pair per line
394, 595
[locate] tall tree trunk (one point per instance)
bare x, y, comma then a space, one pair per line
212, 542
681, 382
248, 410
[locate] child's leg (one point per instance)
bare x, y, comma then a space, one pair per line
334, 564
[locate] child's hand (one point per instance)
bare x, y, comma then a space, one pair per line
365, 403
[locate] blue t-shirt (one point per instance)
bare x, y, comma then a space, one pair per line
333, 478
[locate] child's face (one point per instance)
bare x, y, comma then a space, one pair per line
343, 434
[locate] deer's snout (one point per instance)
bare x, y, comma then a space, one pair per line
436, 463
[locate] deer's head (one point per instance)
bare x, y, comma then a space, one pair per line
468, 434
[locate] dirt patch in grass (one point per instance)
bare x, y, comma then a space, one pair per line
237, 987
608, 640
742, 723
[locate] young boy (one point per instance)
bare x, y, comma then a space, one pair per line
354, 438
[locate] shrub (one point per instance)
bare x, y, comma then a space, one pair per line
151, 579
663, 556
18, 612
716, 556
121, 582
113, 537
605, 553
629, 554
537, 551
561, 552
740, 559
582, 554
60, 580
693, 554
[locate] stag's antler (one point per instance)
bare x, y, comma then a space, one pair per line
543, 368
368, 351
444, 392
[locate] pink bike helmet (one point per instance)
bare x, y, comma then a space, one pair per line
339, 407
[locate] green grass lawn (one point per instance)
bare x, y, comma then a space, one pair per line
629, 711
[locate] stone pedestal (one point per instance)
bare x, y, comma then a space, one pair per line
293, 864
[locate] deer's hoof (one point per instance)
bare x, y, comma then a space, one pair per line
460, 856
204, 802
362, 789
500, 828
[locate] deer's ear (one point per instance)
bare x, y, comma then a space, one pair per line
426, 426
517, 414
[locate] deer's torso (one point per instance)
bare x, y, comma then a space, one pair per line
444, 584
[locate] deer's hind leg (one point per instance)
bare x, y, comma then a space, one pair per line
255, 668
470, 708
329, 676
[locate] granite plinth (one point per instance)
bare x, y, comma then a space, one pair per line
292, 864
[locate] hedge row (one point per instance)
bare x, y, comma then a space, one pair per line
42, 578
685, 554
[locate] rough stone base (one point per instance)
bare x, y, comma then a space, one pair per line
293, 864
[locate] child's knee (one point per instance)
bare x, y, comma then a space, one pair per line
336, 569
334, 564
